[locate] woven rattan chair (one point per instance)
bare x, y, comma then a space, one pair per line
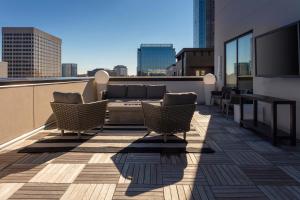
168, 120
79, 117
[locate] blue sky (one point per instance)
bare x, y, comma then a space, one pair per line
104, 33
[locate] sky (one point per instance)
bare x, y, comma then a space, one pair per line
104, 33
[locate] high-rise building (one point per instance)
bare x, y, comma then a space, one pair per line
3, 69
69, 70
154, 59
195, 61
121, 70
31, 52
204, 23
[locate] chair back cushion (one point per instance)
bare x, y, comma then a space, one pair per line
171, 99
68, 98
116, 91
136, 91
156, 91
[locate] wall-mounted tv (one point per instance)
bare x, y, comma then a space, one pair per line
277, 52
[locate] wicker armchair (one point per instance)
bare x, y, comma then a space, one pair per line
168, 120
79, 117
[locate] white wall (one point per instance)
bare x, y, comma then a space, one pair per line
24, 108
235, 17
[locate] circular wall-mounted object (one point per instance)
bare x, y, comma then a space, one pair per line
101, 77
209, 79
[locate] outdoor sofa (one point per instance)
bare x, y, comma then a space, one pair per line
134, 92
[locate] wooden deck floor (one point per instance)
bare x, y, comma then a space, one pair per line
244, 166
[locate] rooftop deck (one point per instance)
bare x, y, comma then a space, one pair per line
243, 166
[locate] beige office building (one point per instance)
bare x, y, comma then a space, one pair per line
3, 69
31, 52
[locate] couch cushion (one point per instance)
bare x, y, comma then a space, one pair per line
156, 91
179, 98
116, 91
70, 98
136, 91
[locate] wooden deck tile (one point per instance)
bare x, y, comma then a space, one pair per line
238, 192
38, 158
234, 146
268, 175
221, 175
223, 137
293, 171
7, 158
8, 189
58, 173
247, 158
263, 147
210, 159
137, 191
40, 191
281, 192
89, 191
143, 158
188, 192
190, 174
76, 158
177, 159
116, 158
19, 173
281, 159
100, 174
137, 173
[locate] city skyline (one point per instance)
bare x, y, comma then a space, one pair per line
106, 33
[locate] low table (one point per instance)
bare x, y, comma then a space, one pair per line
125, 113
271, 130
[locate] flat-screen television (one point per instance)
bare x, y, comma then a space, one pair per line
277, 53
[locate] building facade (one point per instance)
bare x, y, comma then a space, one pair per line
69, 70
153, 59
195, 62
121, 70
31, 52
3, 69
204, 23
236, 35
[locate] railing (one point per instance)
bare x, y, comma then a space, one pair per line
24, 105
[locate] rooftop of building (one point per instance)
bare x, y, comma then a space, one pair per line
156, 45
184, 50
28, 30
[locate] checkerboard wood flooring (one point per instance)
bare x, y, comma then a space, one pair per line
244, 166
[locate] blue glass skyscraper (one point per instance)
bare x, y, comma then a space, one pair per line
153, 59
204, 23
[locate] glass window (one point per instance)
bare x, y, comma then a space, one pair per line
244, 55
238, 65
231, 64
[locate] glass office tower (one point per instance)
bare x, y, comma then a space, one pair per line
204, 23
153, 59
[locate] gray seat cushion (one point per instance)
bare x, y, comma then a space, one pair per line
69, 98
136, 91
179, 98
156, 91
116, 91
